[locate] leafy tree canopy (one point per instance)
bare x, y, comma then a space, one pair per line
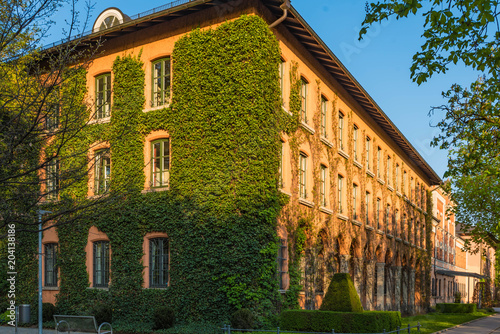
466, 31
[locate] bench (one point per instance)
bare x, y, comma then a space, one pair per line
80, 323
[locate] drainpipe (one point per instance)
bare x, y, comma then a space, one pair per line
285, 7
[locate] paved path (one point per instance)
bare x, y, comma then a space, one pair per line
488, 325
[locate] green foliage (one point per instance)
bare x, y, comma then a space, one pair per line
164, 317
455, 308
341, 295
243, 319
458, 297
221, 209
48, 311
341, 322
461, 31
102, 313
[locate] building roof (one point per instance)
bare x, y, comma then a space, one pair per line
304, 34
453, 273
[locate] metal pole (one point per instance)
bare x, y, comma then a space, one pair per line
17, 315
40, 233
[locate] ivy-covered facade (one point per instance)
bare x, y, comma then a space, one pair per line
251, 166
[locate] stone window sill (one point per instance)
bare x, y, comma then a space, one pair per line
325, 210
345, 155
370, 173
156, 108
100, 120
326, 142
342, 217
305, 202
357, 164
307, 128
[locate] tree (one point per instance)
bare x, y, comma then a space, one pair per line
42, 115
469, 32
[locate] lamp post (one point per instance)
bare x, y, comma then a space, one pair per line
40, 233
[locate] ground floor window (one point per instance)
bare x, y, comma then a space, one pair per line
158, 262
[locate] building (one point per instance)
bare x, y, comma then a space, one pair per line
248, 143
454, 269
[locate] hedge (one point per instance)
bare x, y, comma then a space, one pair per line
455, 308
341, 295
341, 322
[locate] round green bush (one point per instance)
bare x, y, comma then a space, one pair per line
102, 313
243, 319
164, 317
48, 311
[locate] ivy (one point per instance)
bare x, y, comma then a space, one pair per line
221, 210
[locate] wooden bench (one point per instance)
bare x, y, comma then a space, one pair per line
80, 323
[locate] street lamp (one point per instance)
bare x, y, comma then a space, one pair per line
40, 213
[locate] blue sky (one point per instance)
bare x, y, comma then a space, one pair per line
381, 62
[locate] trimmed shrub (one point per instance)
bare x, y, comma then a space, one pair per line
455, 308
341, 322
243, 319
102, 313
458, 297
164, 317
48, 311
341, 295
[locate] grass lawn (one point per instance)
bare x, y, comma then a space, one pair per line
434, 322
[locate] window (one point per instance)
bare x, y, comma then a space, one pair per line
281, 184
367, 208
388, 219
323, 185
404, 183
355, 201
368, 153
161, 82
412, 190
379, 153
103, 95
102, 172
355, 142
302, 175
303, 98
417, 194
388, 170
324, 111
282, 263
158, 262
379, 223
397, 177
395, 222
160, 162
403, 223
341, 185
282, 81
52, 117
101, 264
50, 265
341, 131
52, 175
